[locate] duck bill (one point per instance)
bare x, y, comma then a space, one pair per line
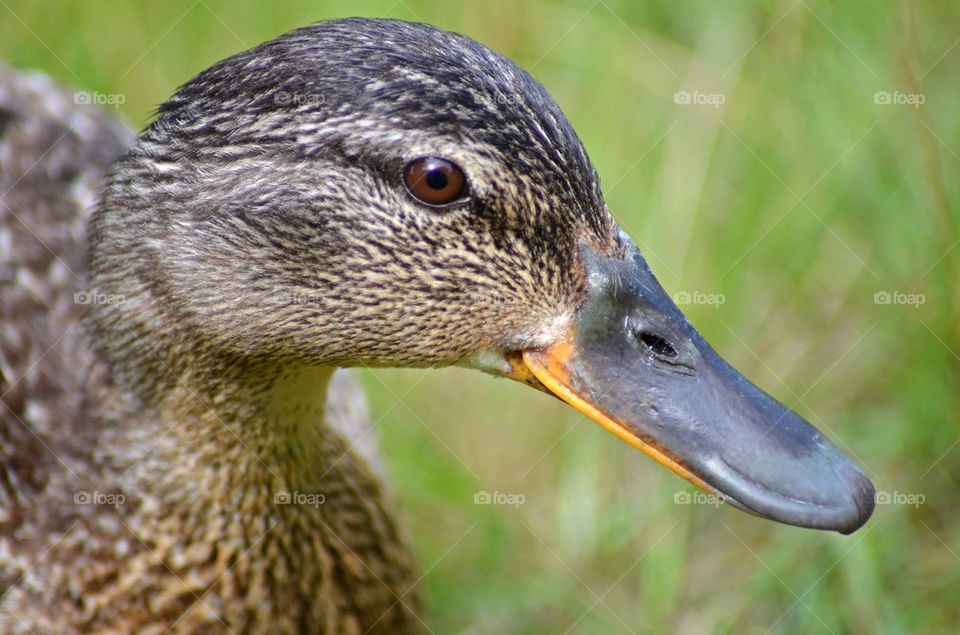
634, 364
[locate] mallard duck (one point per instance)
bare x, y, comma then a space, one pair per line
353, 193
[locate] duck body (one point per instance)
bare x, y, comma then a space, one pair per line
180, 452
90, 539
84, 534
101, 531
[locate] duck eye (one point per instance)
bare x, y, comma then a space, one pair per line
434, 181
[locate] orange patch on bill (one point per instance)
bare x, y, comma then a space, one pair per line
551, 367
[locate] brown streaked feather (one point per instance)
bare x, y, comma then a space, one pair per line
53, 152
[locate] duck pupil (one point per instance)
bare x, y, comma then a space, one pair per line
437, 180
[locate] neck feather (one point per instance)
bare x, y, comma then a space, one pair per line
238, 481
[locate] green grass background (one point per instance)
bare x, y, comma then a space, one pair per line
798, 199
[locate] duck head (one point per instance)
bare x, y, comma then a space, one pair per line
380, 193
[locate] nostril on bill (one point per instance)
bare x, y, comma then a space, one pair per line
657, 344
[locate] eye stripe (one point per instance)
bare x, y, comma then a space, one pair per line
434, 181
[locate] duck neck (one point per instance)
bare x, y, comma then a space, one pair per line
251, 428
244, 458
260, 426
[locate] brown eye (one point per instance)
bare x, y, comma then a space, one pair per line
434, 181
